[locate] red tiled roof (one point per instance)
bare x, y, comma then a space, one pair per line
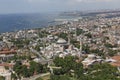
117, 63
6, 64
8, 52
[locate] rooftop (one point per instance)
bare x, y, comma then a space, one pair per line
117, 63
8, 52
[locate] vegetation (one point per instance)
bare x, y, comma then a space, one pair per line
1, 38
37, 47
39, 79
19, 57
23, 70
2, 78
98, 52
86, 48
109, 45
79, 31
59, 77
72, 70
63, 35
46, 77
89, 35
43, 34
102, 72
13, 76
112, 52
75, 43
20, 42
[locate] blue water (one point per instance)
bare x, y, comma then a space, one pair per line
11, 22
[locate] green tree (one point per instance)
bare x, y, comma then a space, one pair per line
108, 45
59, 77
79, 31
63, 35
89, 35
78, 68
39, 79
17, 67
102, 72
2, 78
112, 52
32, 67
37, 68
13, 76
25, 71
37, 47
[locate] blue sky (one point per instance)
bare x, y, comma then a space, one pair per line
33, 6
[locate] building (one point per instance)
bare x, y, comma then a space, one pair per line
5, 73
91, 60
7, 54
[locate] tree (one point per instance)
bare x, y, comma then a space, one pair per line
26, 42
13, 77
102, 72
108, 45
98, 52
17, 67
36, 68
63, 35
75, 43
2, 78
86, 48
25, 71
89, 35
39, 79
1, 38
79, 31
32, 67
112, 52
58, 61
78, 68
21, 70
59, 77
59, 71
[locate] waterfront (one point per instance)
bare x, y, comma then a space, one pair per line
11, 22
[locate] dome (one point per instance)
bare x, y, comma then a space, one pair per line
61, 41
91, 56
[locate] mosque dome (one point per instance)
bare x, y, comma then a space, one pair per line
61, 41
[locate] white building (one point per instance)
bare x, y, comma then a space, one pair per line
5, 73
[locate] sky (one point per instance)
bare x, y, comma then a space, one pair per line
41, 6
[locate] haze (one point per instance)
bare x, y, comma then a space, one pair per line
41, 6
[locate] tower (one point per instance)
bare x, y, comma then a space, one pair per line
80, 45
68, 38
80, 49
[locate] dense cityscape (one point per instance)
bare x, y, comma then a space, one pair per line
83, 48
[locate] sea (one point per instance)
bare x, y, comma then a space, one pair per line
13, 22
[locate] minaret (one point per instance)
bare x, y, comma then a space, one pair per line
25, 33
68, 38
80, 50
44, 44
75, 31
81, 45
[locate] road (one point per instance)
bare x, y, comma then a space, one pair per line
36, 52
36, 76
